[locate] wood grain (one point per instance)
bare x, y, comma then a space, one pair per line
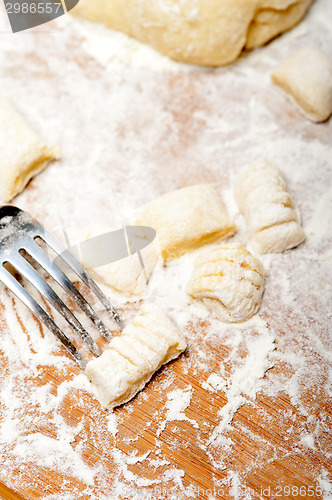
262, 449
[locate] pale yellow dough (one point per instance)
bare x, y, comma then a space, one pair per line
207, 32
306, 76
187, 219
145, 344
229, 280
129, 275
23, 154
271, 215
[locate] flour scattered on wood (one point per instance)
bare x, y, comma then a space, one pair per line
112, 424
214, 383
247, 380
177, 401
130, 157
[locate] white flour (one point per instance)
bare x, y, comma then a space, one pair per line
177, 401
132, 125
246, 380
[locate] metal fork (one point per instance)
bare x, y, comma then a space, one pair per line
18, 232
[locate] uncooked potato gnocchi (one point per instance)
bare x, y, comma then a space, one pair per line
128, 275
23, 154
306, 76
186, 219
271, 215
145, 344
229, 280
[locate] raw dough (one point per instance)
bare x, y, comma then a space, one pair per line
306, 76
229, 280
186, 219
210, 32
150, 341
22, 152
126, 275
273, 220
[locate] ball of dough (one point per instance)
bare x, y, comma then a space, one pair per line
208, 32
186, 219
306, 76
271, 215
229, 280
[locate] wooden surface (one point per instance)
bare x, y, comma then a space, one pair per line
171, 129
264, 436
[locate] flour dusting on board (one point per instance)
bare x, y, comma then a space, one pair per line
177, 401
247, 380
132, 125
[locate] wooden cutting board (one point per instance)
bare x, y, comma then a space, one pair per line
264, 437
264, 434
128, 133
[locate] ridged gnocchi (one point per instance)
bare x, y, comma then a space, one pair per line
229, 280
271, 215
145, 344
186, 219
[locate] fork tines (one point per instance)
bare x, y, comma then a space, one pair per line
18, 234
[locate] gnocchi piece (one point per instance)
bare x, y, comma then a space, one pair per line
229, 280
271, 215
145, 344
23, 154
129, 275
306, 76
186, 219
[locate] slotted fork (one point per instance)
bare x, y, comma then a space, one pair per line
18, 233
